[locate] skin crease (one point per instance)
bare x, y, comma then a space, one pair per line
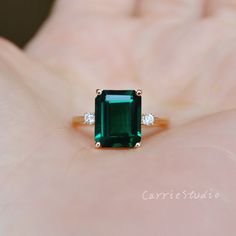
182, 54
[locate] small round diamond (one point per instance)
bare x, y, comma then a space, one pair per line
148, 119
89, 118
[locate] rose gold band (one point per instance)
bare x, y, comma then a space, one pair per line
158, 122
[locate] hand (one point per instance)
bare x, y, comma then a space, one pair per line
52, 180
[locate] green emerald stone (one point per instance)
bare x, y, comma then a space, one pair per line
118, 118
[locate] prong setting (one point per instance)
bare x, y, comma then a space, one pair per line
97, 144
137, 145
99, 92
138, 92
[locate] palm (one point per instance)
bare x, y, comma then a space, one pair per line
55, 169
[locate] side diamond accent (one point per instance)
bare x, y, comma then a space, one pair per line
89, 118
148, 119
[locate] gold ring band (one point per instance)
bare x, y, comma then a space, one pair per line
158, 122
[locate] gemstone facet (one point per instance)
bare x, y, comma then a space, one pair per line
118, 118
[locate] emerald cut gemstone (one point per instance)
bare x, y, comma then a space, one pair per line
118, 118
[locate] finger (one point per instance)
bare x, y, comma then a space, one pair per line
94, 7
171, 8
221, 7
20, 109
40, 81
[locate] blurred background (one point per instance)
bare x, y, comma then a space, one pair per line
20, 19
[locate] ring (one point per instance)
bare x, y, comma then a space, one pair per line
118, 119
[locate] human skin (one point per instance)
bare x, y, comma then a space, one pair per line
182, 54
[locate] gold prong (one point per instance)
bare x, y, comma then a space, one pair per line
98, 91
137, 145
138, 92
97, 144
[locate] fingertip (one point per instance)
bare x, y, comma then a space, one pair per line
98, 7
